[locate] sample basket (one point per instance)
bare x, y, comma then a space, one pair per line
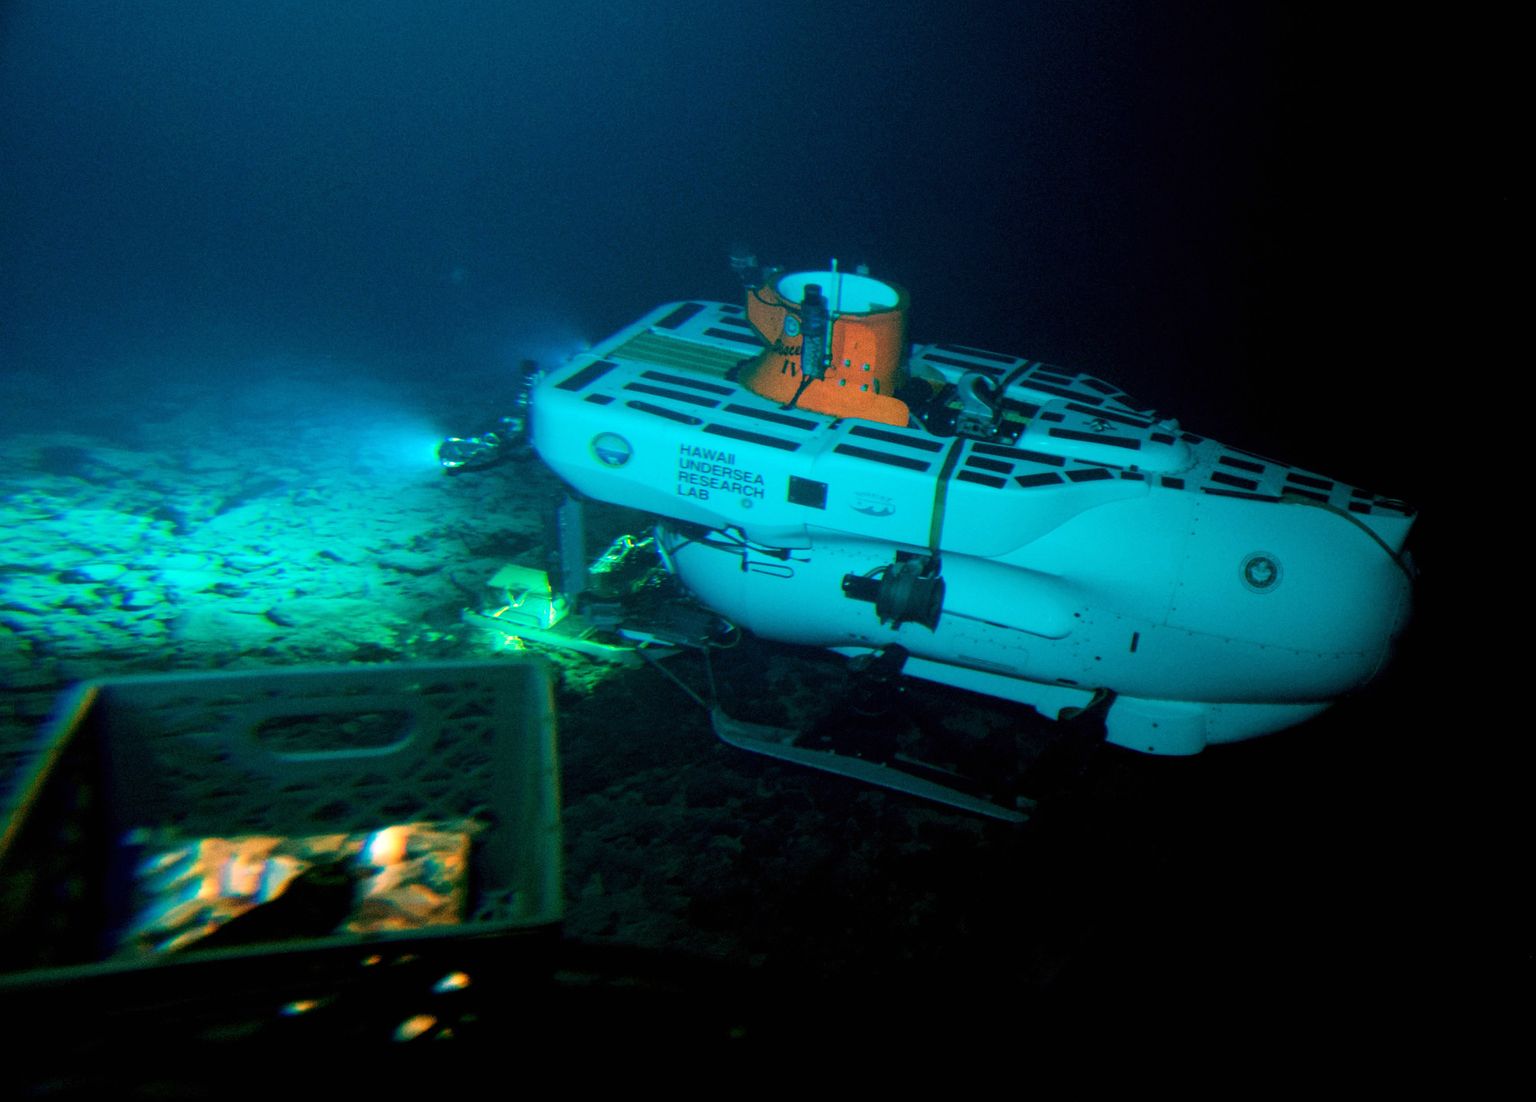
291, 752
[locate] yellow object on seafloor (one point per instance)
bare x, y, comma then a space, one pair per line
530, 600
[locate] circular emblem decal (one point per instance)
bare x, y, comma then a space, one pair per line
1261, 572
791, 325
611, 449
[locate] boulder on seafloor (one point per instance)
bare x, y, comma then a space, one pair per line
91, 572
213, 626
411, 562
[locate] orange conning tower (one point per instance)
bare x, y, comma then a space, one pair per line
861, 365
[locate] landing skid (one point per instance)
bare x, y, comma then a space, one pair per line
779, 742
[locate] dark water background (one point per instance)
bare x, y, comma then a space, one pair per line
1219, 206
1251, 216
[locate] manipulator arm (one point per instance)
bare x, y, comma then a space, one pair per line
506, 438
